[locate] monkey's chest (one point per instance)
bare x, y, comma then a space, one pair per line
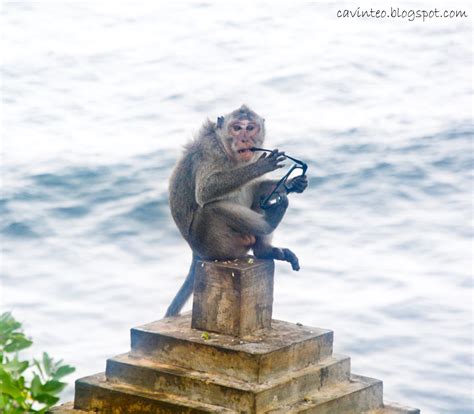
243, 197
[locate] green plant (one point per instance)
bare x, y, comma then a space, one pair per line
26, 386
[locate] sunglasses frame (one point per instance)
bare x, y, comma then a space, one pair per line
274, 197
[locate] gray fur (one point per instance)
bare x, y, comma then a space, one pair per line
214, 199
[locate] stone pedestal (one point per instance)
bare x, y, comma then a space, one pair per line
233, 297
228, 358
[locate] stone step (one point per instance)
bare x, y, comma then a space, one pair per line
347, 400
224, 391
97, 395
358, 395
388, 408
67, 408
258, 357
394, 408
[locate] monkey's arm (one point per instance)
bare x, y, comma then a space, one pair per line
211, 186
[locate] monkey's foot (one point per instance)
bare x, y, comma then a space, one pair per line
289, 256
278, 253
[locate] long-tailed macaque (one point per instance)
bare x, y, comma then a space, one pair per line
215, 192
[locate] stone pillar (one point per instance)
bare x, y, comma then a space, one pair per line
233, 297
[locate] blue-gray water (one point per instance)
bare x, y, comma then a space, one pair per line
97, 102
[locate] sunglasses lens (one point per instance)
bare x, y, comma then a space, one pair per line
296, 172
273, 200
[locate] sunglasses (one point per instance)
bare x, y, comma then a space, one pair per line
299, 168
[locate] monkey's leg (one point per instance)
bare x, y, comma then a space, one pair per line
246, 221
264, 250
223, 230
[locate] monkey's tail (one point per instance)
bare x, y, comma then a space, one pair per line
184, 291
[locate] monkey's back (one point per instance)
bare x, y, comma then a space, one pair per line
182, 190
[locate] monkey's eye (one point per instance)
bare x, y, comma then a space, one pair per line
236, 127
250, 128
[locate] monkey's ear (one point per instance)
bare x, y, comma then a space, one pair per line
220, 121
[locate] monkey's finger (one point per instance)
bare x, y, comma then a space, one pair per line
277, 153
264, 155
299, 188
300, 183
300, 180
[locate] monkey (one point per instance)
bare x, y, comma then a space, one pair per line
215, 192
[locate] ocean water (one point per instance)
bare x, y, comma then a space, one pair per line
97, 101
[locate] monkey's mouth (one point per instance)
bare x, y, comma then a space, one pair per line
244, 150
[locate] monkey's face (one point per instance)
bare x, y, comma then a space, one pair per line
243, 135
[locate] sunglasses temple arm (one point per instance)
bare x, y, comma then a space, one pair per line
299, 162
260, 149
303, 164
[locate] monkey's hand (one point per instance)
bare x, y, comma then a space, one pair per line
298, 184
270, 162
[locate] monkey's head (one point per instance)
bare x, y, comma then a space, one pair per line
239, 131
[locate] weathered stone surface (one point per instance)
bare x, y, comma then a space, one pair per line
224, 391
96, 394
394, 408
358, 395
67, 408
233, 297
272, 367
257, 358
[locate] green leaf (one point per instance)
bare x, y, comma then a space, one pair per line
17, 342
8, 385
15, 365
47, 363
53, 387
37, 364
10, 390
63, 371
47, 399
36, 386
17, 396
8, 324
